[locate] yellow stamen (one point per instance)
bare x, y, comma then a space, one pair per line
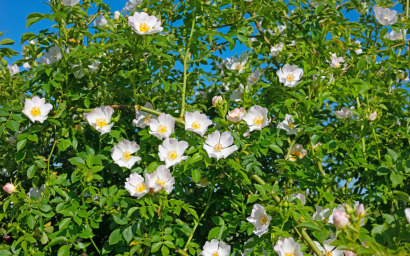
126, 156
291, 125
337, 65
196, 125
289, 254
238, 67
160, 182
215, 254
172, 155
101, 122
147, 118
35, 111
290, 77
218, 147
262, 220
327, 253
140, 188
144, 27
162, 128
258, 120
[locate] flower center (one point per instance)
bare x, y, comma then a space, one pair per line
140, 188
328, 253
147, 118
258, 120
238, 67
101, 122
126, 156
290, 77
218, 147
262, 220
337, 65
162, 128
196, 125
289, 254
291, 125
35, 111
296, 154
172, 155
160, 182
385, 17
215, 254
144, 27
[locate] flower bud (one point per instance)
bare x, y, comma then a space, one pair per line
32, 42
340, 219
9, 188
349, 210
359, 212
236, 115
216, 100
350, 253
117, 15
373, 116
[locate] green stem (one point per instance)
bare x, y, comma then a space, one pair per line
49, 157
310, 242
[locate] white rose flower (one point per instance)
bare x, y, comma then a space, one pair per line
36, 192
143, 24
394, 36
135, 185
257, 118
117, 15
254, 77
13, 69
142, 118
26, 65
171, 151
290, 75
162, 127
329, 249
359, 49
160, 179
122, 154
131, 6
407, 212
281, 28
336, 61
344, 113
259, 219
276, 49
100, 118
236, 115
101, 21
385, 16
220, 145
52, 55
70, 2
216, 248
197, 122
321, 213
288, 125
237, 64
36, 109
287, 246
299, 196
78, 72
296, 152
94, 66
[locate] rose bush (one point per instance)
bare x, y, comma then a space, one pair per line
132, 134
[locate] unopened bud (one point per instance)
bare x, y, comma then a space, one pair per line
32, 42
340, 219
9, 188
349, 209
359, 212
216, 100
373, 116
117, 15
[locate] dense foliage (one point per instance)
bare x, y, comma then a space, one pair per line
321, 127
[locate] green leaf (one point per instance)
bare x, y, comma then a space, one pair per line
64, 223
310, 225
155, 247
21, 144
276, 148
31, 221
6, 41
164, 250
396, 179
120, 219
64, 250
32, 137
13, 125
127, 234
196, 175
213, 233
195, 158
392, 154
115, 237
76, 160
31, 171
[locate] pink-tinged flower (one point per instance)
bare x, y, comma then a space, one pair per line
216, 100
9, 188
373, 116
340, 219
236, 115
336, 61
123, 153
349, 253
359, 212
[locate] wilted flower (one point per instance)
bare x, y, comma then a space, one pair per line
142, 118
394, 36
135, 185
236, 95
373, 116
276, 49
70, 2
340, 219
36, 109
171, 151
143, 24
359, 47
385, 16
288, 125
101, 21
94, 66
100, 118
220, 145
216, 248
36, 192
287, 246
160, 179
299, 196
297, 152
237, 64
122, 153
344, 113
131, 5
290, 75
216, 100
197, 122
236, 115
257, 118
9, 188
336, 61
254, 77
13, 69
407, 212
117, 15
52, 55
259, 219
328, 250
162, 127
321, 213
